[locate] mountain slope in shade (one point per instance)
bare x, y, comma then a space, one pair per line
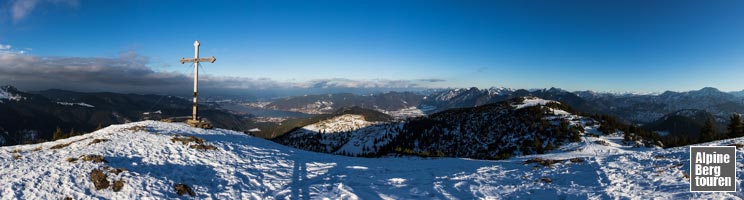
244, 167
685, 123
34, 117
347, 134
518, 126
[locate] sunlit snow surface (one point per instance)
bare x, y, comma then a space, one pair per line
83, 104
245, 167
5, 95
531, 101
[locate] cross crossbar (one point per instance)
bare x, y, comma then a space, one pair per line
210, 59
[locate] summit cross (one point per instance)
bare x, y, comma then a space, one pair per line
196, 60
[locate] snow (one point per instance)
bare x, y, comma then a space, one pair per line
532, 101
76, 104
259, 104
362, 140
454, 93
244, 167
628, 93
342, 123
450, 94
349, 134
254, 130
317, 107
560, 112
404, 113
6, 95
410, 112
496, 91
152, 113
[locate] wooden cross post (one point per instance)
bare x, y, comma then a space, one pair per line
194, 117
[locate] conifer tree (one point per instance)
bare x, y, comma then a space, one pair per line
627, 136
57, 134
708, 132
550, 146
735, 127
72, 133
537, 145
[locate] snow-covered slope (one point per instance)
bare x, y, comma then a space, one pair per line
244, 167
347, 134
9, 93
342, 123
518, 126
407, 113
532, 101
76, 104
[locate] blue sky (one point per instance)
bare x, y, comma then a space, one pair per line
576, 45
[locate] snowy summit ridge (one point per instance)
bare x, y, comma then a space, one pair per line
148, 159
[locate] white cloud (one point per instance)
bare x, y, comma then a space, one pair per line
130, 73
431, 80
8, 49
348, 83
20, 9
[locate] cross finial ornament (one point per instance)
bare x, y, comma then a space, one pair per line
195, 121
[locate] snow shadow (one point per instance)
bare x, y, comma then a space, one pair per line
442, 178
298, 174
192, 175
299, 189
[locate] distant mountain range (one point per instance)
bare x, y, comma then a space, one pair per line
327, 103
647, 108
658, 112
429, 102
33, 117
633, 108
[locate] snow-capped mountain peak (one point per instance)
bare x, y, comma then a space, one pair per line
495, 91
